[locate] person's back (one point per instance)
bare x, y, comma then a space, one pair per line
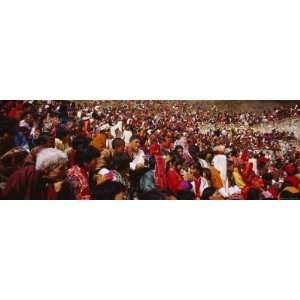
23, 184
99, 141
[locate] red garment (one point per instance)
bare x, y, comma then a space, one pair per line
197, 187
273, 191
262, 160
154, 149
71, 157
290, 169
247, 171
27, 184
78, 179
245, 156
160, 173
173, 180
293, 180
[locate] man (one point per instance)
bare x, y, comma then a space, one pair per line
78, 175
135, 153
220, 162
99, 141
199, 183
127, 134
38, 181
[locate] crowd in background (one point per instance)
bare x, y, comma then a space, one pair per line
145, 150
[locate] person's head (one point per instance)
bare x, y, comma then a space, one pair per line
109, 190
253, 194
196, 170
62, 134
185, 195
80, 142
135, 143
121, 162
267, 178
87, 157
54, 119
46, 140
211, 193
36, 134
118, 145
179, 150
52, 164
28, 118
152, 195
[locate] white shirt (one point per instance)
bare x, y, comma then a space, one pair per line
127, 134
138, 158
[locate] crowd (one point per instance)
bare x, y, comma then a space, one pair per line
145, 150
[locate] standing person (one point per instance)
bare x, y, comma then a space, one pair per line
99, 141
220, 162
38, 181
78, 175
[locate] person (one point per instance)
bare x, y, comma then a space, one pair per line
62, 140
109, 190
120, 171
22, 137
78, 175
118, 145
220, 162
199, 183
174, 179
147, 180
135, 153
127, 134
99, 141
38, 181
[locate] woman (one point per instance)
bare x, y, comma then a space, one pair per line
38, 181
175, 181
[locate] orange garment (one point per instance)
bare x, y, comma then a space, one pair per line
99, 141
216, 180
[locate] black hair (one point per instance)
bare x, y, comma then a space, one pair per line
7, 125
178, 147
117, 142
267, 177
79, 142
43, 138
152, 195
286, 195
185, 195
253, 194
107, 190
61, 133
120, 162
87, 154
134, 137
208, 192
